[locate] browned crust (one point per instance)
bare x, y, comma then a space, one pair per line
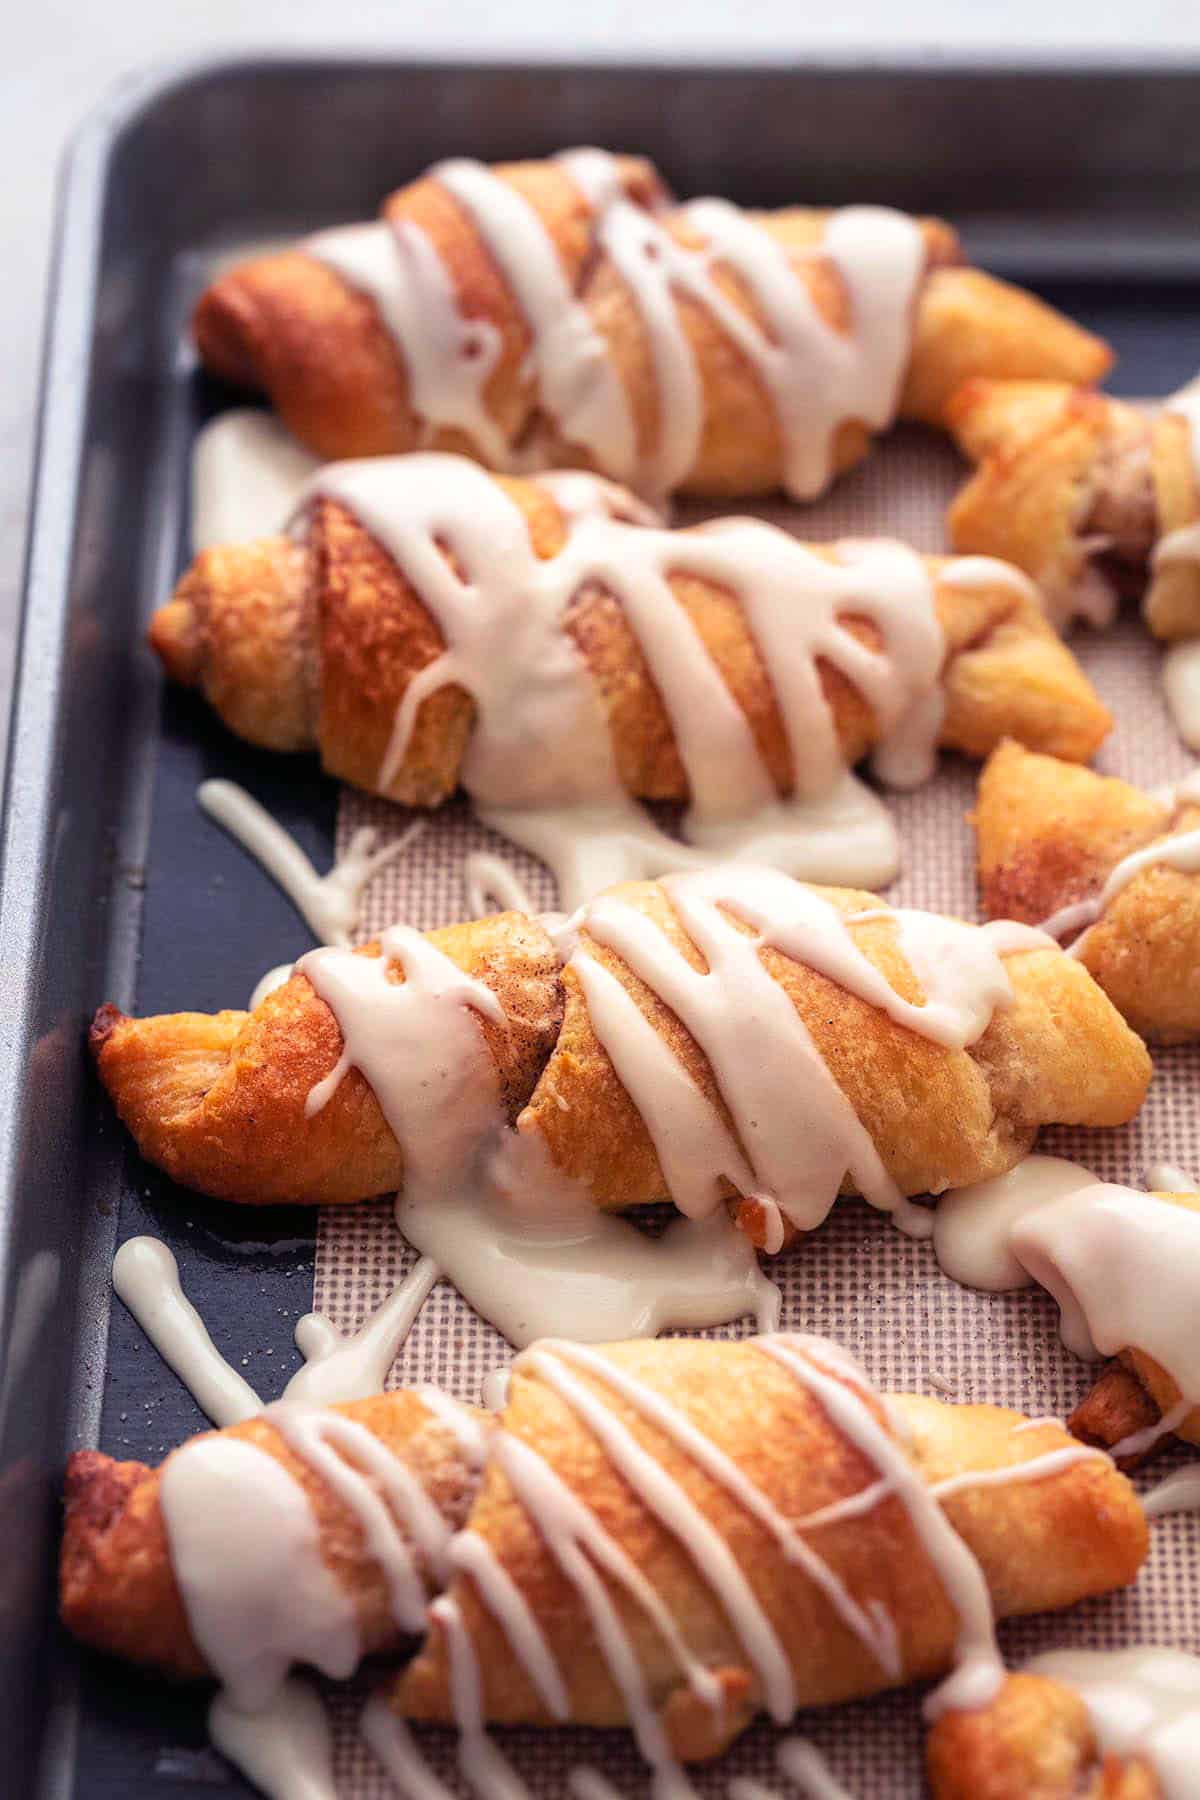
1059, 1051
218, 1100
117, 1589
1062, 471
1034, 1742
1172, 599
1114, 1407
970, 325
293, 328
1049, 833
1041, 1544
331, 665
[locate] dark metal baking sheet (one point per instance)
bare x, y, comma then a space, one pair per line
1083, 180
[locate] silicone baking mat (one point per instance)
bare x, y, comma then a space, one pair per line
856, 1279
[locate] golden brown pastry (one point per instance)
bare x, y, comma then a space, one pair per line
866, 1608
314, 642
564, 311
1034, 1742
1082, 491
220, 1102
1052, 836
824, 1541
117, 1586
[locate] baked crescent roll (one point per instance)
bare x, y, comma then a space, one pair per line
118, 1586
1091, 496
674, 1534
1036, 1741
432, 625
1078, 852
723, 1035
777, 1511
564, 310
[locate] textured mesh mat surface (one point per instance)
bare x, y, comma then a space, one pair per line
856, 1279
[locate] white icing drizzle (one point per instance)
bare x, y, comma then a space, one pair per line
578, 384
979, 1668
804, 1764
393, 1745
340, 1368
1037, 1468
579, 1542
1180, 851
543, 1259
1124, 1268
873, 1629
146, 1276
1143, 1701
286, 1749
1169, 1178
814, 375
540, 765
536, 1263
248, 472
797, 1135
1181, 680
1180, 1492
666, 1498
418, 1043
972, 1225
449, 357
379, 1489
589, 1784
245, 1546
525, 1245
487, 877
246, 1551
267, 984
493, 1390
330, 903
488, 1773
336, 1368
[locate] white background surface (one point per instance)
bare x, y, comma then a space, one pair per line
60, 57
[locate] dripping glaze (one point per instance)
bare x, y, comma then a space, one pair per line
1180, 1492
245, 1548
584, 1550
795, 1134
248, 472
329, 904
1124, 1268
540, 764
258, 1594
527, 1265
335, 1367
421, 1047
813, 375
972, 1225
1144, 1701
1181, 682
